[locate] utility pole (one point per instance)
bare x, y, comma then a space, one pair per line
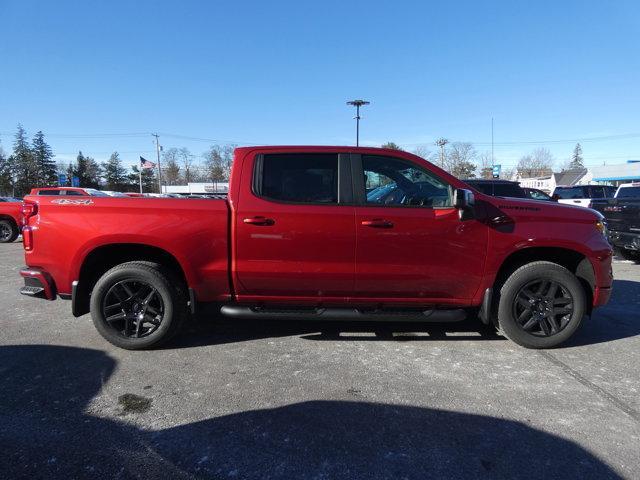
159, 169
492, 160
441, 142
358, 104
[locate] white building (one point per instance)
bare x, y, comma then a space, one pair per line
197, 188
548, 183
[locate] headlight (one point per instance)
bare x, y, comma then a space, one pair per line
601, 226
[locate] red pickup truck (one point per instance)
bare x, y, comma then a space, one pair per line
10, 219
321, 233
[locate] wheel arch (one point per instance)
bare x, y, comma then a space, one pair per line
573, 260
104, 257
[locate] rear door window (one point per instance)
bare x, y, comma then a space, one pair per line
300, 178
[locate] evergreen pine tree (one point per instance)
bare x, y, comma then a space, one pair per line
115, 175
70, 173
43, 158
149, 180
576, 158
93, 173
24, 164
6, 174
81, 170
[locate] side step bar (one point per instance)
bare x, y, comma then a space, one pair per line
349, 314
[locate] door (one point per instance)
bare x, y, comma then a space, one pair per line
411, 243
295, 230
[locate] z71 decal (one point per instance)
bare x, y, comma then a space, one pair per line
68, 201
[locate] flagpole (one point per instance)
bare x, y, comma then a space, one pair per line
140, 175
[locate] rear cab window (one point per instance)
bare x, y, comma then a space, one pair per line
566, 193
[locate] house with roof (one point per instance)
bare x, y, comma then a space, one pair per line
547, 183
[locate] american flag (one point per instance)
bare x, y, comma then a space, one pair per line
144, 163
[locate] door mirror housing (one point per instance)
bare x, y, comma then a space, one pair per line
464, 201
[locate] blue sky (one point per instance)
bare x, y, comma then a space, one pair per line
280, 73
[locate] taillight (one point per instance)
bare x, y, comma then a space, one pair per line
28, 210
27, 238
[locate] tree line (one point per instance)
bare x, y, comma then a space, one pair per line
462, 160
31, 164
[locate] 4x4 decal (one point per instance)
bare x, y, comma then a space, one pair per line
68, 201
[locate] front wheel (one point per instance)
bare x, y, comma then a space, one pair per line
541, 305
8, 231
138, 305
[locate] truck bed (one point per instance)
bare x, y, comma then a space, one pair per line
193, 231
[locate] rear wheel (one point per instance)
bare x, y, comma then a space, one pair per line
541, 305
138, 305
8, 231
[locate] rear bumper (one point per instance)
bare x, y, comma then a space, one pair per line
38, 284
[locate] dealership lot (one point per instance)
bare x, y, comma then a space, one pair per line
301, 400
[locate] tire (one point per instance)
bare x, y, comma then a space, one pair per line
8, 231
554, 314
138, 305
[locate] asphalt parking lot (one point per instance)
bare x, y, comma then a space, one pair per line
298, 400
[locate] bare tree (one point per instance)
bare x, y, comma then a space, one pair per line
538, 164
424, 152
460, 161
217, 162
485, 163
170, 167
185, 159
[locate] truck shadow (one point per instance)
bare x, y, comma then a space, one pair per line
212, 328
46, 432
620, 319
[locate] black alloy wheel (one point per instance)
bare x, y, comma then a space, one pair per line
133, 308
543, 307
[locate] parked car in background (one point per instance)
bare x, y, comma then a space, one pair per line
582, 195
622, 214
298, 237
10, 219
92, 192
536, 194
497, 188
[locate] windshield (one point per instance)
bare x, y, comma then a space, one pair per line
629, 192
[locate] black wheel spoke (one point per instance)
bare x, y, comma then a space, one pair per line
525, 315
553, 324
558, 302
116, 317
542, 287
544, 326
562, 311
553, 290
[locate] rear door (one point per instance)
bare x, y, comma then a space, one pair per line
411, 244
294, 228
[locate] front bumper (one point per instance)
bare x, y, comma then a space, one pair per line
38, 284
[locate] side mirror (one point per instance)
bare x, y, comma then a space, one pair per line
463, 199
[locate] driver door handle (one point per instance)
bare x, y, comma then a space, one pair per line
377, 223
259, 221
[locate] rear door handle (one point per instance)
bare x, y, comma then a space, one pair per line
259, 221
377, 223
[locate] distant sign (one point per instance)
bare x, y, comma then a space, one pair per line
496, 171
75, 182
62, 179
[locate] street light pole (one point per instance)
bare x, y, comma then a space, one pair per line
358, 104
441, 142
